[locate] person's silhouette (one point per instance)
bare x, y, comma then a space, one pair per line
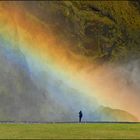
80, 116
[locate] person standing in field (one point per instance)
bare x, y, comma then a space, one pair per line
80, 116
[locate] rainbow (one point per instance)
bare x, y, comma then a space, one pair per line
45, 52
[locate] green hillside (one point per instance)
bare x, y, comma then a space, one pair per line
117, 115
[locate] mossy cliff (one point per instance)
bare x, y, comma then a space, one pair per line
100, 30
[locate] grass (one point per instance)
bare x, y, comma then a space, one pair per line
69, 131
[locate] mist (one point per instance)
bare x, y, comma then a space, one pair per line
42, 78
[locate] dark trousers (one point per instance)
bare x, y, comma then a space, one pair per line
80, 118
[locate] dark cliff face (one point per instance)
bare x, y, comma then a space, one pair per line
104, 31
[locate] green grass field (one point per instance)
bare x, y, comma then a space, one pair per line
70, 131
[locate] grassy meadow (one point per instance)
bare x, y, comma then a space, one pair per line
70, 131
